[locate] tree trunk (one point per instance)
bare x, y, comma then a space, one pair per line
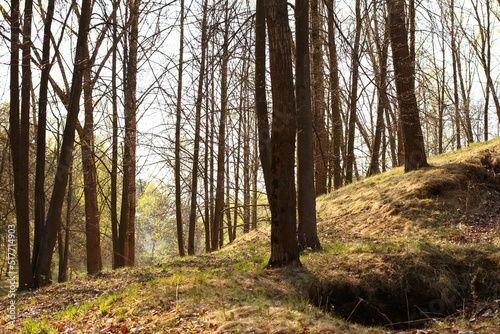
178, 189
284, 247
43, 274
126, 238
415, 156
64, 246
255, 188
246, 175
260, 94
318, 96
41, 137
131, 107
114, 151
455, 78
92, 214
307, 229
382, 51
353, 96
206, 179
219, 192
199, 99
335, 92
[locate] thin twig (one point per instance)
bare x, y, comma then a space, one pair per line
360, 300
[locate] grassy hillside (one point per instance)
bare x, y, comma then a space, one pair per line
401, 251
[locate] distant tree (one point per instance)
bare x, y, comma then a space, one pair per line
284, 247
415, 156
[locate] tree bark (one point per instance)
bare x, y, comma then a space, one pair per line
455, 78
19, 142
41, 137
284, 247
307, 229
353, 96
415, 156
64, 246
260, 94
382, 51
318, 96
199, 100
178, 189
335, 96
114, 150
131, 119
219, 192
92, 214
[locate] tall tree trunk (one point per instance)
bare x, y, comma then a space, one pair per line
255, 189
246, 174
415, 156
412, 29
227, 205
382, 51
335, 92
114, 153
178, 189
206, 179
237, 168
307, 229
219, 193
64, 245
318, 96
196, 153
353, 96
20, 133
465, 100
455, 77
260, 94
126, 238
131, 111
284, 247
41, 137
92, 214
43, 274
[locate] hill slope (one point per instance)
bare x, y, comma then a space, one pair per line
401, 251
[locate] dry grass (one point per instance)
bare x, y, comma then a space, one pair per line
399, 250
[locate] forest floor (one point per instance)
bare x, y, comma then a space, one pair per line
414, 253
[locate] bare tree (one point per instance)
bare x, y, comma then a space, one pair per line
415, 156
199, 100
177, 149
284, 247
307, 229
353, 97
